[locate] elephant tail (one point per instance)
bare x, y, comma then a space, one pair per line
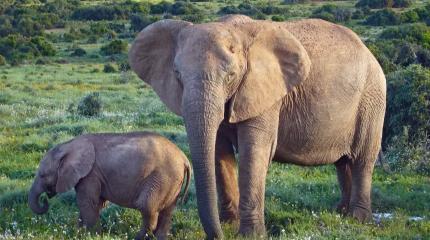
187, 175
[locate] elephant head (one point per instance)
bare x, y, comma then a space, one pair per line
229, 71
60, 170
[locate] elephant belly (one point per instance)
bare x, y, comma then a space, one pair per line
318, 133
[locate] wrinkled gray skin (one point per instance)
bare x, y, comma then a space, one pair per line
140, 170
306, 92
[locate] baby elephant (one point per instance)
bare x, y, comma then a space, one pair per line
140, 170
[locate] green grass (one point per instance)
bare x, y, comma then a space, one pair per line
34, 103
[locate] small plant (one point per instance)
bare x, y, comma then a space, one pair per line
78, 52
42, 61
2, 61
109, 68
90, 105
278, 18
125, 77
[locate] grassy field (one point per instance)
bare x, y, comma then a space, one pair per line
38, 110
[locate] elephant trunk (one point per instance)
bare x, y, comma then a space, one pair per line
202, 120
33, 199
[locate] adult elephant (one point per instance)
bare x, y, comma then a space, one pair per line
306, 92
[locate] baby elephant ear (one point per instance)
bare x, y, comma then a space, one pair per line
277, 62
77, 161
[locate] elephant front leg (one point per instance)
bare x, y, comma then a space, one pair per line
257, 143
226, 177
89, 202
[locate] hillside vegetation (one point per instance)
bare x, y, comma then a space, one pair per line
64, 72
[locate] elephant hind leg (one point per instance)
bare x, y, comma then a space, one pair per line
227, 181
344, 177
365, 152
165, 221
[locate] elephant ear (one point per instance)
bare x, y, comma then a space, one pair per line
77, 160
151, 57
277, 62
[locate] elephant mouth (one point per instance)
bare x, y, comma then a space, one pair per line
50, 194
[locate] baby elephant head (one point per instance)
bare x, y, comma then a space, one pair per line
60, 170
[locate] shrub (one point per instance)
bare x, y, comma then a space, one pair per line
114, 47
243, 8
406, 55
78, 52
194, 18
42, 61
90, 105
404, 156
423, 57
278, 18
16, 48
385, 52
416, 33
295, 1
384, 3
383, 18
402, 3
109, 68
184, 8
409, 17
408, 103
2, 61
98, 13
160, 8
139, 22
333, 13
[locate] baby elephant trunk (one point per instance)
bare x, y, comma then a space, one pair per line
34, 196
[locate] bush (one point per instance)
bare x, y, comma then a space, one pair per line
243, 8
16, 48
194, 18
384, 3
423, 57
90, 105
332, 13
415, 33
98, 13
2, 61
385, 52
109, 68
409, 17
278, 18
383, 18
114, 47
408, 103
406, 55
404, 156
78, 52
139, 22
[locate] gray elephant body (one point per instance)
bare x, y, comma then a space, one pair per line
321, 119
306, 92
140, 170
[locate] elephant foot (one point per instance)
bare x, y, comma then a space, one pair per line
362, 214
254, 231
342, 207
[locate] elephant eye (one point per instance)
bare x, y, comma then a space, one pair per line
230, 77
